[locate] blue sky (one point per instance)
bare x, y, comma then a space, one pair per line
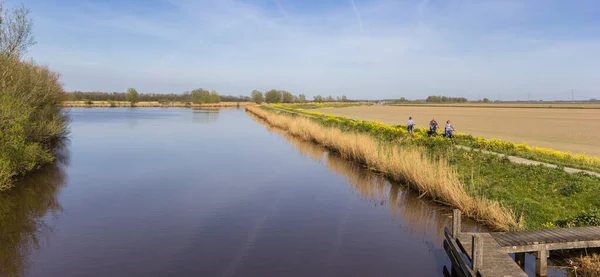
362, 49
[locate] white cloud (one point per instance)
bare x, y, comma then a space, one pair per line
409, 49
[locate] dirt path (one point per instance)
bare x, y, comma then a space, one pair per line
520, 160
513, 159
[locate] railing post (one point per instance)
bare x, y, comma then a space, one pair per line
477, 252
456, 223
541, 263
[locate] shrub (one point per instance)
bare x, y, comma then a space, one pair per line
31, 120
570, 189
88, 102
257, 97
132, 96
589, 217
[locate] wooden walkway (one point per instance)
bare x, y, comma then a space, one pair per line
486, 254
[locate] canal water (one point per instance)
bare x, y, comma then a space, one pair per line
182, 192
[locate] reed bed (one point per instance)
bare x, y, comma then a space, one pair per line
155, 104
434, 179
586, 266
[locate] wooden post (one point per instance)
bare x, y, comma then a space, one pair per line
477, 252
456, 223
520, 259
541, 263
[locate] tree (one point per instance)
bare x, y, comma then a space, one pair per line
318, 98
273, 96
257, 97
15, 31
302, 98
287, 97
329, 99
132, 96
485, 100
214, 97
344, 98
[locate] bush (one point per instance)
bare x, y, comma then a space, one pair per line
88, 102
31, 120
133, 96
589, 217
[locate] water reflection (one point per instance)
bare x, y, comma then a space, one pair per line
22, 212
418, 216
205, 115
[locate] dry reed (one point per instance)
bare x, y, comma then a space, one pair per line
154, 104
586, 266
434, 179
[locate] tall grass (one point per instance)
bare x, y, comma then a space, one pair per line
434, 179
31, 119
495, 145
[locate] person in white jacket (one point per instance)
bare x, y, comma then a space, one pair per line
411, 125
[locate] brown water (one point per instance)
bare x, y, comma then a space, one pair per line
179, 192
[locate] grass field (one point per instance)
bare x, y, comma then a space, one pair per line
570, 130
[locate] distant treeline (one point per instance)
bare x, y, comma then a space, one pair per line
445, 99
282, 96
197, 95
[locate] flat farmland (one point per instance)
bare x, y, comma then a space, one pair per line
542, 105
570, 130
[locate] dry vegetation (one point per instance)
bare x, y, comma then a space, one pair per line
434, 179
588, 266
82, 104
569, 130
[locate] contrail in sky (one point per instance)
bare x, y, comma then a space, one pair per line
358, 17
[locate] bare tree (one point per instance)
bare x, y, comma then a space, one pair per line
15, 31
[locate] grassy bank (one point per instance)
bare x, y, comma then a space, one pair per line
432, 178
147, 104
494, 145
31, 120
539, 196
324, 105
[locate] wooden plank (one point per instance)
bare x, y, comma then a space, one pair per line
455, 260
496, 262
551, 246
477, 252
502, 241
462, 265
515, 238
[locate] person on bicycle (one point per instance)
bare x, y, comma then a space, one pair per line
449, 129
433, 127
411, 125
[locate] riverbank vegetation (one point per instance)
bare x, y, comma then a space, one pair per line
185, 97
153, 104
538, 196
274, 96
432, 178
559, 158
31, 120
313, 105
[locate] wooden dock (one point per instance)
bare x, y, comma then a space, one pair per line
486, 254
